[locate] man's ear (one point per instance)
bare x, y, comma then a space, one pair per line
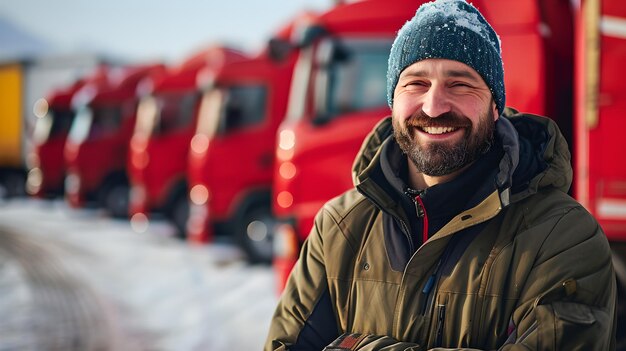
494, 109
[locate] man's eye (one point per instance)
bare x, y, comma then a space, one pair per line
461, 85
415, 84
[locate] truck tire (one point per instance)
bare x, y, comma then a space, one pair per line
255, 233
12, 184
115, 199
179, 214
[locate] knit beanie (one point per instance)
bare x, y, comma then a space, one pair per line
449, 29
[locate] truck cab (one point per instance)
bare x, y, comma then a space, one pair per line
231, 161
339, 93
55, 115
54, 119
97, 146
162, 135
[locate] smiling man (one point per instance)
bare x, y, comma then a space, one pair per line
462, 123
459, 233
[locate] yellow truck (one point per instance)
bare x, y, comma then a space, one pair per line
12, 167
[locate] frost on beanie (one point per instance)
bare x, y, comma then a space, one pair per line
449, 29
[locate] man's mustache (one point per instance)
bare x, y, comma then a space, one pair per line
448, 119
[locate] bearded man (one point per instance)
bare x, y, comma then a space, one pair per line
459, 233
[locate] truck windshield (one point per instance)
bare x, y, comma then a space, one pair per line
95, 123
243, 106
209, 113
107, 120
80, 127
353, 79
146, 116
175, 112
54, 123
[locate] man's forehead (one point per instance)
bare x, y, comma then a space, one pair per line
448, 68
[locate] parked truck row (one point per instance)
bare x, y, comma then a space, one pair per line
228, 143
23, 82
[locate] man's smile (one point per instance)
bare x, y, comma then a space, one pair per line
438, 130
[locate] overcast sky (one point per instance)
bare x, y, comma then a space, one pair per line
140, 30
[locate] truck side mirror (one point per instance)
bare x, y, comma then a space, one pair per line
279, 49
321, 119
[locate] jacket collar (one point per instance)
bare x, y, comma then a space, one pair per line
534, 156
444, 200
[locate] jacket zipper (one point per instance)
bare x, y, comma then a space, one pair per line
420, 211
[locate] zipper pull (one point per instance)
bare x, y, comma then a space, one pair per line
421, 213
419, 206
414, 195
428, 287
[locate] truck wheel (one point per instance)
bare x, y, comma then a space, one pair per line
13, 185
115, 200
179, 215
255, 234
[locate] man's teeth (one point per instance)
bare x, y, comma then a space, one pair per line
438, 130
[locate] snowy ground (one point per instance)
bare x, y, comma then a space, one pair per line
65, 272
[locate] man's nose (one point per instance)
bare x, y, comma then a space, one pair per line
436, 101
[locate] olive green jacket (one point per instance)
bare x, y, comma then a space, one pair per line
537, 276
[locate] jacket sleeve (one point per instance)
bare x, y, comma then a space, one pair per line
304, 318
568, 301
356, 341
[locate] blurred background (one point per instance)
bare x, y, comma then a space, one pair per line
66, 284
161, 163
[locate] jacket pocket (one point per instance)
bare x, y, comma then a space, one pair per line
568, 326
563, 324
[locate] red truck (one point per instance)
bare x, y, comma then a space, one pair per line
47, 167
339, 95
97, 146
55, 115
166, 122
231, 160
562, 60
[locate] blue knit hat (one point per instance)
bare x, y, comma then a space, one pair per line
449, 29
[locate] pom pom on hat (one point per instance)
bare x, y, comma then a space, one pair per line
449, 29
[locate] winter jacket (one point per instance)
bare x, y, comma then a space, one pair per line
521, 266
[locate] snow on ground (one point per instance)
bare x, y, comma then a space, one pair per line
161, 293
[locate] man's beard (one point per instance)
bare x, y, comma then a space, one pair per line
442, 158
